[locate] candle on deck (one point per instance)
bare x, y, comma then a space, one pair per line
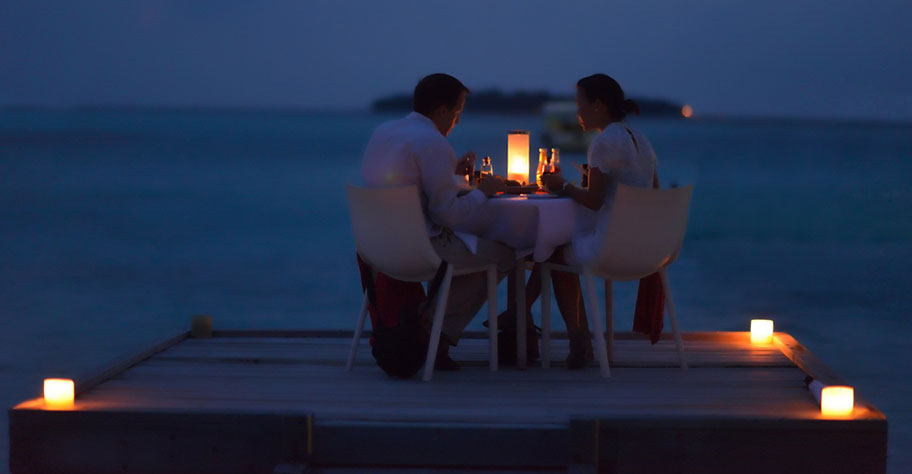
761, 331
837, 400
59, 393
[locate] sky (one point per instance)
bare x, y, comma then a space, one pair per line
773, 58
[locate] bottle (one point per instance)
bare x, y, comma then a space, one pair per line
555, 160
486, 168
542, 162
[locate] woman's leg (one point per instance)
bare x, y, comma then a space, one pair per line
533, 290
567, 292
569, 296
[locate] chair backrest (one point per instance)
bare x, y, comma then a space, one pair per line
645, 232
390, 232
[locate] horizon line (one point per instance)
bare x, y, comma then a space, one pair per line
367, 109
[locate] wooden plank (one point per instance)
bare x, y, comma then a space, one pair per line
472, 334
90, 379
289, 333
632, 353
743, 446
805, 360
762, 392
102, 442
440, 444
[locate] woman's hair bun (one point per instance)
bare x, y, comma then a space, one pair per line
630, 107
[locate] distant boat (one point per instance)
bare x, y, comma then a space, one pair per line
562, 130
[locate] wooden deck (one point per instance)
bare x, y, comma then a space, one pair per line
249, 401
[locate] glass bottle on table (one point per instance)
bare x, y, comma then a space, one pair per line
555, 160
486, 168
542, 162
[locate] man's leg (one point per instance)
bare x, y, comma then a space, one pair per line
468, 292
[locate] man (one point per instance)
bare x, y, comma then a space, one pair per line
414, 150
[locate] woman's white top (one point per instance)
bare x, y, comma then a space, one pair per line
628, 158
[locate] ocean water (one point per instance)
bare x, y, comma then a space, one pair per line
117, 225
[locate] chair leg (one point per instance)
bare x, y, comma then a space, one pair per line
609, 319
492, 318
546, 315
600, 348
358, 329
520, 314
674, 319
434, 340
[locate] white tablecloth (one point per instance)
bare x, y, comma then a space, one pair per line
535, 226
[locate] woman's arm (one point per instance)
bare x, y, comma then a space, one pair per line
592, 197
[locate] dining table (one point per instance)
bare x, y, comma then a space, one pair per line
534, 225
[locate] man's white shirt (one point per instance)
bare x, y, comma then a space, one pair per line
412, 151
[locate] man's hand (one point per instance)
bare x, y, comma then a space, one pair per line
466, 164
491, 185
553, 182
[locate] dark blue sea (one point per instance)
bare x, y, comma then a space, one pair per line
117, 225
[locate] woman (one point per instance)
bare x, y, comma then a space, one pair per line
618, 155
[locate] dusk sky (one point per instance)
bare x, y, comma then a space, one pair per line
798, 58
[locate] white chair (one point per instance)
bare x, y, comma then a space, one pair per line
391, 236
644, 236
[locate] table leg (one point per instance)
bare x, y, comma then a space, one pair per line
521, 313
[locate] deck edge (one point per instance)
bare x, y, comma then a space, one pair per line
89, 379
811, 365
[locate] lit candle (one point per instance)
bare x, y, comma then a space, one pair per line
837, 400
59, 393
761, 331
518, 156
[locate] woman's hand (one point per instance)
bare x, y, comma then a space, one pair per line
593, 196
554, 182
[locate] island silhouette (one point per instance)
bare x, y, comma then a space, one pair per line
521, 102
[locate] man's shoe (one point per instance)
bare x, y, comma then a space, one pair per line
505, 320
443, 361
580, 351
445, 364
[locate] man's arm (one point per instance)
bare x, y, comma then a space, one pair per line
436, 162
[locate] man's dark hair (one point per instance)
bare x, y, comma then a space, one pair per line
436, 90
